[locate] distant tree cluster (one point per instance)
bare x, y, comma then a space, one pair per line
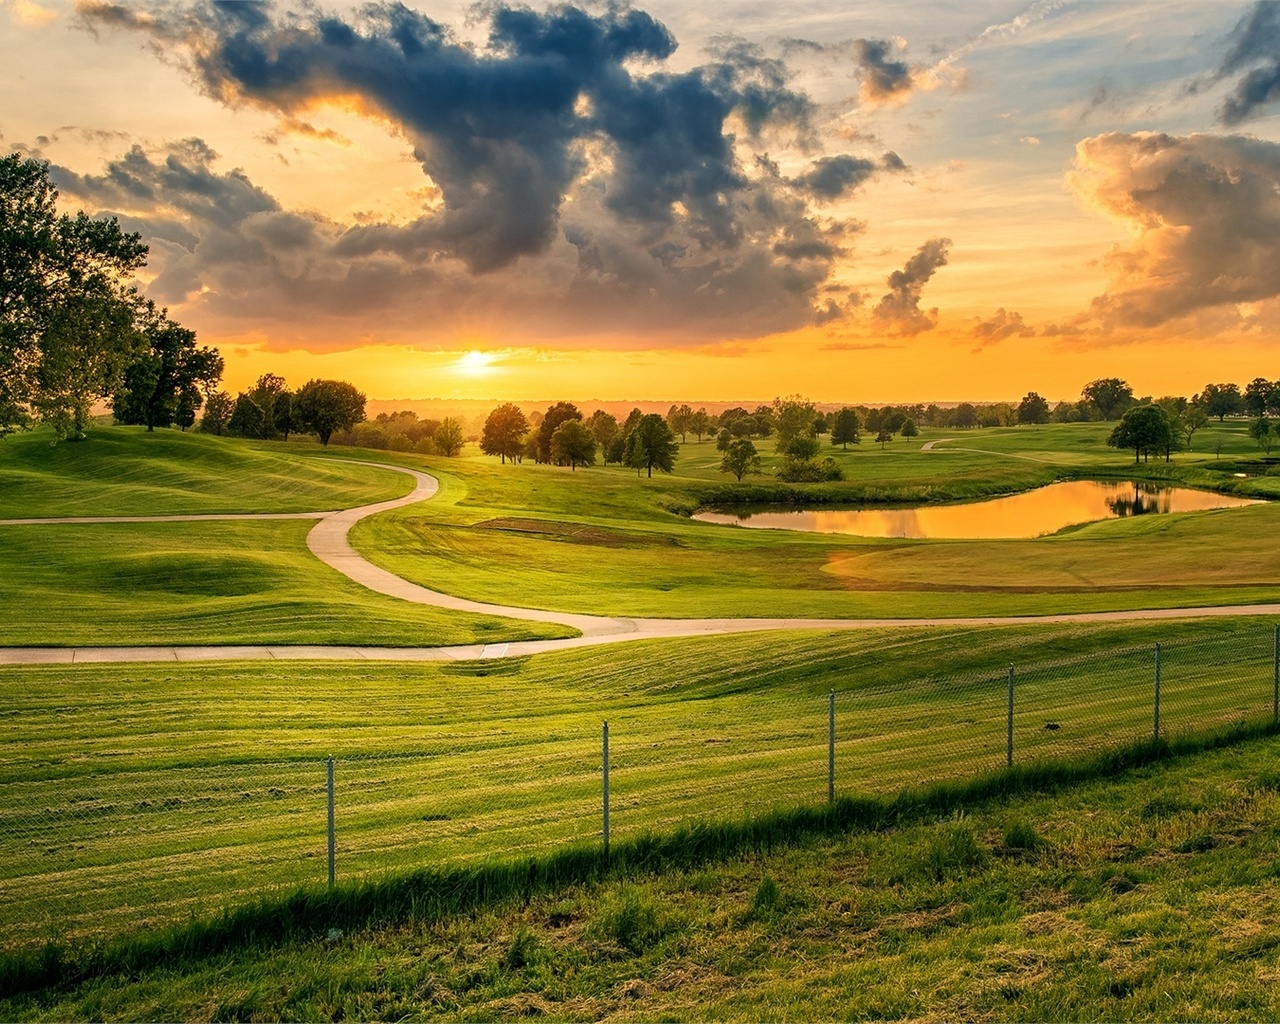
269, 411
74, 330
561, 436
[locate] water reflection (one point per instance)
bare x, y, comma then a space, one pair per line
1033, 514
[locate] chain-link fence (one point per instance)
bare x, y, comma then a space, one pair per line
89, 848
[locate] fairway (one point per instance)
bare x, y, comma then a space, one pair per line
606, 542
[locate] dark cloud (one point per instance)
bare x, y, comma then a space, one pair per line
833, 177
1255, 41
899, 310
500, 131
1205, 214
592, 187
882, 79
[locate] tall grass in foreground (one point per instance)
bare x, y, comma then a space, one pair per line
426, 895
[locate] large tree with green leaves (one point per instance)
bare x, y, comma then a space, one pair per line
651, 444
1147, 429
64, 330
166, 372
740, 458
573, 443
1109, 395
1221, 400
845, 428
1033, 409
552, 418
324, 406
503, 432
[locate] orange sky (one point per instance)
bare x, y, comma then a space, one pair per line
863, 202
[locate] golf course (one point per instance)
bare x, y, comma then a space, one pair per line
231, 658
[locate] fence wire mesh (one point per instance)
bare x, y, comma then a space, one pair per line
92, 844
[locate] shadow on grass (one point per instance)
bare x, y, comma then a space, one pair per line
434, 893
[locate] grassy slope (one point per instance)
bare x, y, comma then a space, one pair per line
1149, 897
127, 471
599, 540
211, 777
195, 583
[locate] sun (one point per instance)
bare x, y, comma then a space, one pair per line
473, 363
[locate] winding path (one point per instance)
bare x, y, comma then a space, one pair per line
329, 541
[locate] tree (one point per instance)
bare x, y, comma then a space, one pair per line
604, 426
651, 444
1260, 430
573, 443
1192, 419
678, 419
324, 406
284, 414
166, 370
700, 423
964, 415
793, 416
449, 438
1033, 409
503, 432
909, 428
552, 418
217, 411
246, 419
803, 447
64, 333
1109, 395
740, 458
1221, 400
1261, 396
884, 436
1145, 429
844, 428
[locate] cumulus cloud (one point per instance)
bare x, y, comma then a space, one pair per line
1000, 326
834, 177
1205, 214
569, 161
899, 310
883, 79
1255, 44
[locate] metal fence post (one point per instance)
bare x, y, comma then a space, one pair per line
1009, 745
332, 845
606, 789
1275, 676
1155, 734
831, 747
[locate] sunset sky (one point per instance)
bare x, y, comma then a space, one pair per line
862, 202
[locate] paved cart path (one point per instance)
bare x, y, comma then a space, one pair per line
329, 541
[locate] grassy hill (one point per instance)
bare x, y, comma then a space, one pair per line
195, 582
1149, 896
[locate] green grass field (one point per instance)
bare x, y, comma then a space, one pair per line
601, 540
126, 471
232, 582
134, 795
1149, 896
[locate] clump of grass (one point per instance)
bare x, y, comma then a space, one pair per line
1021, 836
631, 920
766, 899
1266, 781
522, 950
954, 852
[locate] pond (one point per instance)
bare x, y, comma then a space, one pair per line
1031, 514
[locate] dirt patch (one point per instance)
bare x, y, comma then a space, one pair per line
578, 533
